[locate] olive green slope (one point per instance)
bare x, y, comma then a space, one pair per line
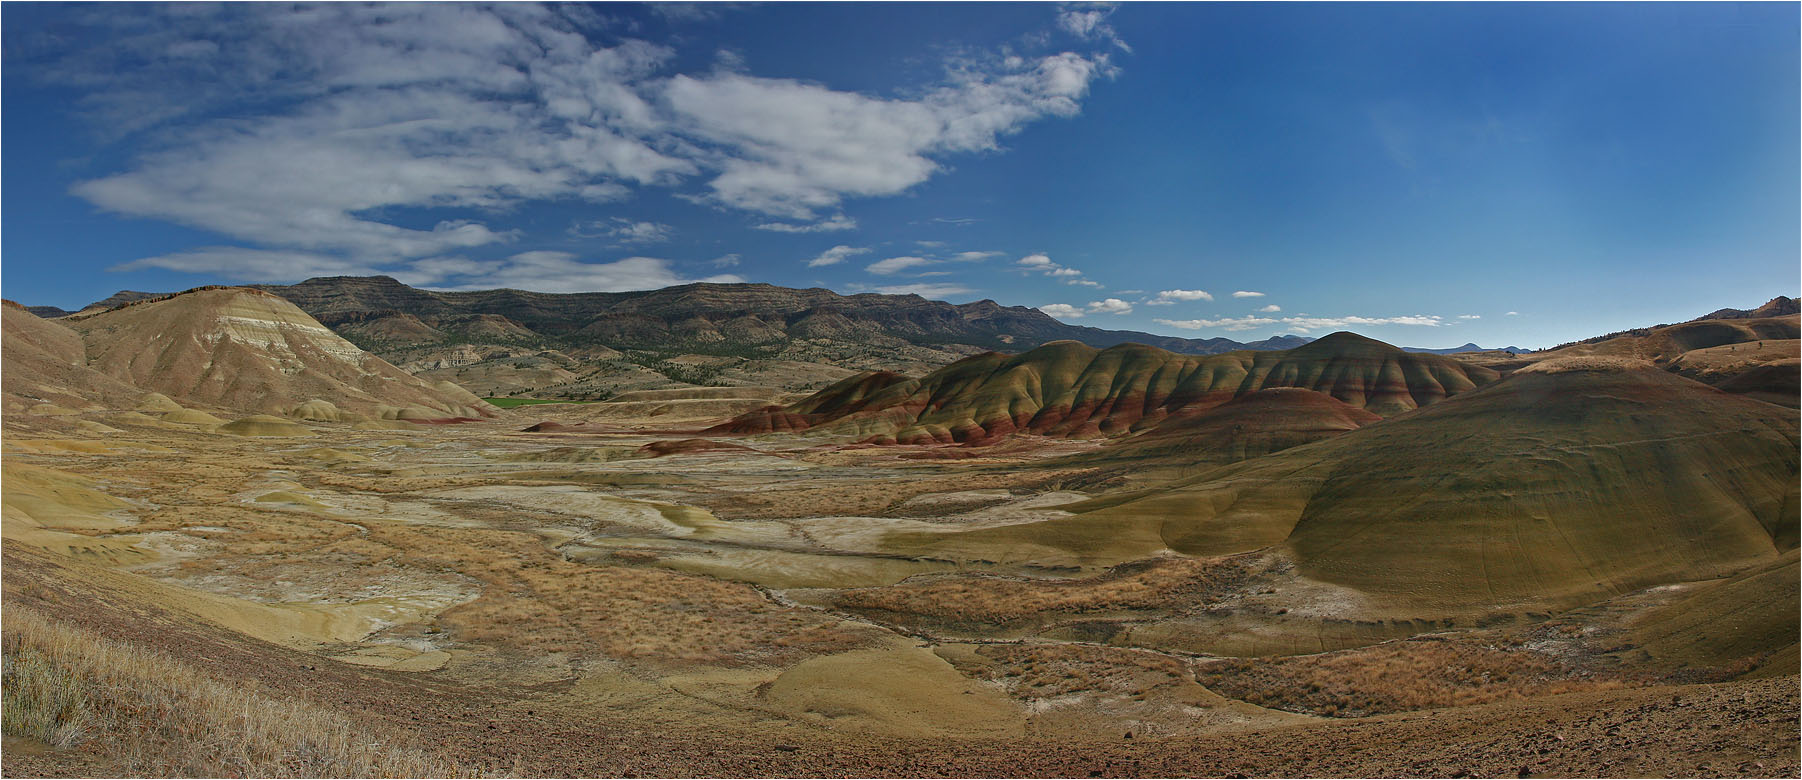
1067, 389
1558, 486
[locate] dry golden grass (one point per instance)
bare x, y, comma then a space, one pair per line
864, 498
157, 716
1167, 583
1048, 671
1397, 677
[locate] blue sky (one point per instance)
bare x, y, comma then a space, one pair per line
1427, 174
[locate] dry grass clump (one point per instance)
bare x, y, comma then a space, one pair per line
157, 716
1167, 583
867, 498
1397, 677
1048, 671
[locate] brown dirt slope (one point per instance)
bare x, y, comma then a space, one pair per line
46, 363
244, 349
1067, 389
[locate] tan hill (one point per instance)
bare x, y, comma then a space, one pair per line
1566, 483
1746, 353
46, 363
1666, 343
1066, 389
1779, 306
243, 349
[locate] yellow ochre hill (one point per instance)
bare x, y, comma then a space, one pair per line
248, 350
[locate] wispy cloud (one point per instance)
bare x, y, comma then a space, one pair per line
562, 272
1303, 323
1168, 297
239, 263
623, 231
832, 224
1247, 294
1226, 323
1089, 21
836, 255
929, 290
973, 257
896, 264
537, 271
482, 108
1470, 316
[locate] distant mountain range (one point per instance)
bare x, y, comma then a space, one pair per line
593, 345
1468, 347
597, 345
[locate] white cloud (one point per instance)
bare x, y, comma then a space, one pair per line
1110, 306
1228, 323
1303, 323
1317, 323
931, 244
1271, 308
1039, 262
1062, 311
251, 264
537, 271
390, 108
1512, 314
562, 272
942, 290
1247, 294
972, 257
790, 148
836, 255
623, 230
895, 264
726, 260
1088, 21
1168, 297
831, 224
1470, 316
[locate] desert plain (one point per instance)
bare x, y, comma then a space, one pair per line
236, 543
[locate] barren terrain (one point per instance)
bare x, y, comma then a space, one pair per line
1584, 567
